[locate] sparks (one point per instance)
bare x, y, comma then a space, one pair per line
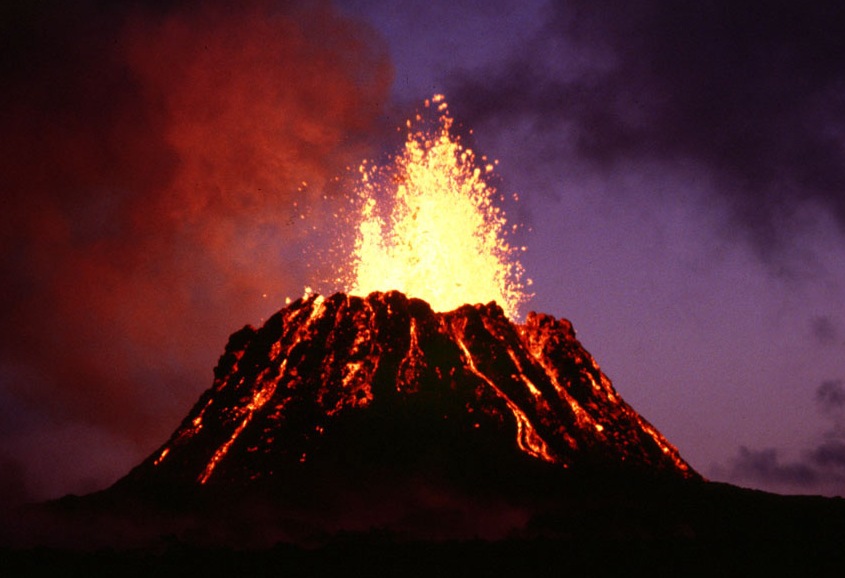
427, 226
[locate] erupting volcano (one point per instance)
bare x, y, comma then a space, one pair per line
415, 404
399, 387
430, 234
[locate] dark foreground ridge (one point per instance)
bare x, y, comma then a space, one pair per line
348, 425
582, 529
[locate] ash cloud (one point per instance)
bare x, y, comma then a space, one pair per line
151, 156
754, 95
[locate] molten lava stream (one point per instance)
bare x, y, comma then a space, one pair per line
527, 437
261, 396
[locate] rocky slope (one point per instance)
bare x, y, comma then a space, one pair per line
386, 379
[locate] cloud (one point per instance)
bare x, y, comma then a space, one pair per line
151, 157
831, 395
764, 467
824, 329
831, 454
754, 96
820, 469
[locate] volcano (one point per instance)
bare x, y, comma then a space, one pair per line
351, 413
375, 433
386, 379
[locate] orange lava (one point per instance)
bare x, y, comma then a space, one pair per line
428, 226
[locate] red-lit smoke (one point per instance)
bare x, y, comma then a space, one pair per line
149, 163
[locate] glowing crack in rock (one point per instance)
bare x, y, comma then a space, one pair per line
261, 397
161, 456
428, 226
527, 437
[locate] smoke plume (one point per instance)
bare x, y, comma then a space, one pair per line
749, 96
151, 157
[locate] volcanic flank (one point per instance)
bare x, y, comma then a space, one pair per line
351, 430
349, 413
386, 377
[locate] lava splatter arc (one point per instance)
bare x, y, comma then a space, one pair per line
428, 225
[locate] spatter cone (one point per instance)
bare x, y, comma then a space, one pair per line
383, 381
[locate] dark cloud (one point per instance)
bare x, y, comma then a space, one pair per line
831, 454
150, 159
754, 94
824, 329
764, 467
819, 469
831, 395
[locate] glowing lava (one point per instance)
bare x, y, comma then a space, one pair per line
429, 227
301, 386
428, 230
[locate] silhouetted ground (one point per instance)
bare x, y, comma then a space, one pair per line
367, 555
698, 529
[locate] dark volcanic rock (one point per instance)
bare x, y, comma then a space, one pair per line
348, 414
373, 433
385, 382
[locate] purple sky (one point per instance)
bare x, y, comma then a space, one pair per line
682, 170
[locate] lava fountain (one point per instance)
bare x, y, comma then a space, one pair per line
428, 225
398, 373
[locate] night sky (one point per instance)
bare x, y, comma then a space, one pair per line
680, 167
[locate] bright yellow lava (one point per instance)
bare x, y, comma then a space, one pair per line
429, 228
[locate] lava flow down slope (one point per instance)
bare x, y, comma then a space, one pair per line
324, 371
351, 413
407, 409
374, 433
